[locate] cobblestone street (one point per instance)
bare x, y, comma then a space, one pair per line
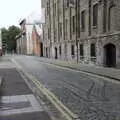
91, 97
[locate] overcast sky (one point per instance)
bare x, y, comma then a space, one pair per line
11, 11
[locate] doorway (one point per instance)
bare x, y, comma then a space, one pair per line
41, 49
56, 55
110, 55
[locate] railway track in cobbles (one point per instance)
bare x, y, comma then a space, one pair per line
88, 104
88, 109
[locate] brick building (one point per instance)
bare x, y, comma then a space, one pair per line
37, 40
98, 31
24, 40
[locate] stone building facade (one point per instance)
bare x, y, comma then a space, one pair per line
21, 38
97, 29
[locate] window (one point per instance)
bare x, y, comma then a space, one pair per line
78, 24
72, 50
93, 50
48, 33
47, 8
60, 50
66, 27
60, 29
55, 34
104, 16
73, 23
95, 15
81, 50
83, 20
109, 19
55, 8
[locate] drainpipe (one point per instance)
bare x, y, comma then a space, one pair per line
76, 8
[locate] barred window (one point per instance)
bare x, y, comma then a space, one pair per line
72, 50
81, 50
93, 50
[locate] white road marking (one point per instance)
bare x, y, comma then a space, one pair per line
33, 107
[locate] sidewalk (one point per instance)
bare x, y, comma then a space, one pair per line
17, 102
111, 73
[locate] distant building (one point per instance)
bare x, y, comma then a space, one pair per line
21, 38
24, 40
37, 40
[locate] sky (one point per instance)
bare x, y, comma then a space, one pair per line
11, 11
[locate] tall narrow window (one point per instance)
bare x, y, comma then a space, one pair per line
72, 50
109, 19
47, 8
73, 23
55, 9
89, 17
60, 29
66, 27
104, 16
48, 33
93, 50
81, 50
55, 34
79, 24
83, 20
95, 15
60, 50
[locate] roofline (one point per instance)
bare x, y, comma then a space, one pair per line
22, 21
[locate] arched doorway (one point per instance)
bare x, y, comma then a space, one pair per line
110, 55
41, 49
56, 55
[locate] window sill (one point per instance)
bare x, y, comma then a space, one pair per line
82, 30
94, 27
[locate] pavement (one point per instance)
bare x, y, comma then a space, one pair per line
88, 95
112, 73
17, 101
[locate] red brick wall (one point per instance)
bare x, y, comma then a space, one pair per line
36, 44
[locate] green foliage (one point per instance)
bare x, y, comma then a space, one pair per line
9, 38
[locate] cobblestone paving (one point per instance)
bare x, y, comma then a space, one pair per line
92, 98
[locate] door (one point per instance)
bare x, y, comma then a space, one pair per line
110, 55
41, 49
56, 56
